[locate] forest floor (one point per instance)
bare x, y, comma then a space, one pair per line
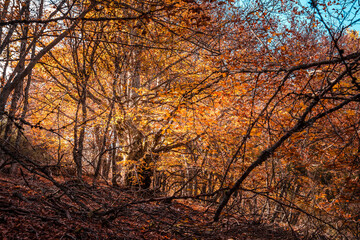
34, 208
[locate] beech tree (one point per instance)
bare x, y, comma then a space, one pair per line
252, 106
132, 83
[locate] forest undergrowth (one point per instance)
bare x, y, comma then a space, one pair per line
31, 207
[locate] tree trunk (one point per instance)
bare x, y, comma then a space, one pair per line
80, 137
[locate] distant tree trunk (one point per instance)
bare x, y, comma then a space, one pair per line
106, 168
114, 165
79, 135
146, 171
142, 160
103, 144
135, 155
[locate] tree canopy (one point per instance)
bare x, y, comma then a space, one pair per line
251, 107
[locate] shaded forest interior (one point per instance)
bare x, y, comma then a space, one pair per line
190, 119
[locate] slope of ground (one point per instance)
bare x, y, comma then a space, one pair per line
33, 208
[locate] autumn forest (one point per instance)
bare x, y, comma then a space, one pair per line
249, 109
